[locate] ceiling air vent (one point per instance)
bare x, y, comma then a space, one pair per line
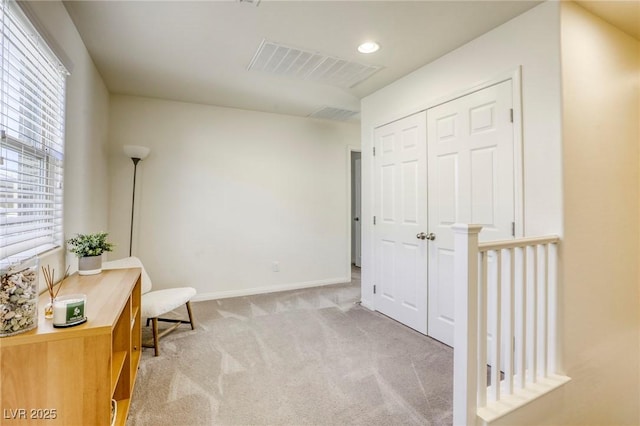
291, 62
329, 113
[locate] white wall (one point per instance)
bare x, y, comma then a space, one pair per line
226, 192
85, 173
530, 41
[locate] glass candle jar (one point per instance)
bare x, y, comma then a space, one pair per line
69, 310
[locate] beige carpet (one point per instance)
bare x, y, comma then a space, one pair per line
304, 357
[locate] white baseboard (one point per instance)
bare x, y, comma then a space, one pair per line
367, 304
269, 289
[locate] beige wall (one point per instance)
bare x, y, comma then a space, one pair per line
85, 173
600, 248
600, 77
227, 192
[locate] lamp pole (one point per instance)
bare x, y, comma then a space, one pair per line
136, 153
133, 202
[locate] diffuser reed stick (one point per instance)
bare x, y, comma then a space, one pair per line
50, 280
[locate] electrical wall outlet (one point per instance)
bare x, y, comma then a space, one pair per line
275, 266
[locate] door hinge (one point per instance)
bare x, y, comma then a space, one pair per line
511, 114
374, 289
374, 151
374, 220
513, 229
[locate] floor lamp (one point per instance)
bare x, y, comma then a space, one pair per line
136, 153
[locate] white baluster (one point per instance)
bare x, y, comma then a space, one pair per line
508, 346
521, 338
496, 328
552, 296
542, 310
465, 355
532, 311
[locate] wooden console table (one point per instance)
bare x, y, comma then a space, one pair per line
69, 376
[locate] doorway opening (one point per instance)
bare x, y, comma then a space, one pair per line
356, 207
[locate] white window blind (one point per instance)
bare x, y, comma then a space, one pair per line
32, 100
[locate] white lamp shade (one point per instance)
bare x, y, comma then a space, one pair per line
136, 151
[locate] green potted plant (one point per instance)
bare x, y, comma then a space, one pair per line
89, 249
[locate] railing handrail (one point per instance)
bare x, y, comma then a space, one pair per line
520, 282
518, 242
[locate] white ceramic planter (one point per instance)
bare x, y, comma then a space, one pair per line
90, 265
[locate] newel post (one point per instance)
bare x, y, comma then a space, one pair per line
465, 338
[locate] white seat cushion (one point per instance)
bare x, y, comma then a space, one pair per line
130, 262
159, 302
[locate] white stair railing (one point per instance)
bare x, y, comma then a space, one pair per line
505, 341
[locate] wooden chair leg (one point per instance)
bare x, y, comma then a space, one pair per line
176, 322
156, 346
193, 325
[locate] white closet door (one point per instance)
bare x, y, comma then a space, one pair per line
401, 213
471, 180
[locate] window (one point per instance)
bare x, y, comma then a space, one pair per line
32, 98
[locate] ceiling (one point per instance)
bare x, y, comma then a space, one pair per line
624, 14
200, 51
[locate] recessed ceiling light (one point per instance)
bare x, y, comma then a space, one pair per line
368, 47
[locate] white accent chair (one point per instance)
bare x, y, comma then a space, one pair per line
159, 302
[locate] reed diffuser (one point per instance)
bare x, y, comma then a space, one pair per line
49, 279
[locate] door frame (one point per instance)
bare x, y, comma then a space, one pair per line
515, 75
357, 200
350, 149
